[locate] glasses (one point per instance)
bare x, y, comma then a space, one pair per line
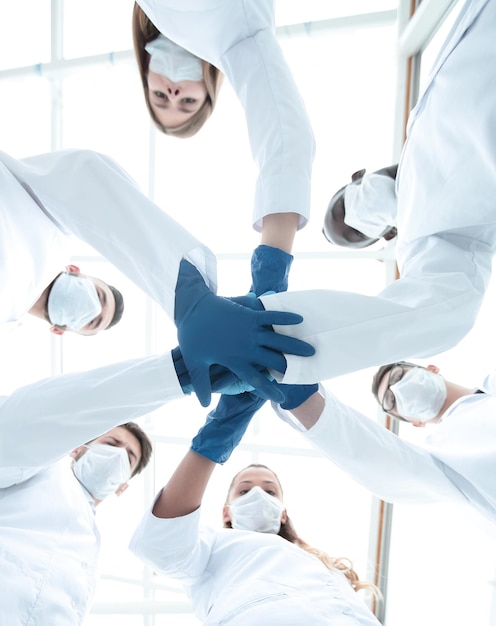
395, 375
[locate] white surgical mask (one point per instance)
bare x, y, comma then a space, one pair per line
420, 394
102, 469
170, 60
370, 206
73, 301
258, 511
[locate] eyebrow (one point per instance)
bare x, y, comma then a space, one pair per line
270, 482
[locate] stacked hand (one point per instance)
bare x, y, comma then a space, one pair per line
214, 330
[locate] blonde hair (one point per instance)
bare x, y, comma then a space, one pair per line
288, 532
145, 31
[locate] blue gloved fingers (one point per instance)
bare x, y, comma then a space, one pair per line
269, 269
295, 395
200, 379
282, 343
249, 300
264, 388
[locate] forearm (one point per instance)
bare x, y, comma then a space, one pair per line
391, 468
184, 491
279, 230
91, 197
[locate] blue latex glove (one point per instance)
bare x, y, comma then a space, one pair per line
225, 426
221, 379
214, 330
269, 269
294, 395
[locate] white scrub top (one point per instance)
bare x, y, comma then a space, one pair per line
456, 464
446, 225
243, 578
33, 251
49, 546
49, 542
88, 195
237, 36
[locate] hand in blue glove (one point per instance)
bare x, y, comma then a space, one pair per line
269, 269
295, 395
214, 330
221, 380
225, 426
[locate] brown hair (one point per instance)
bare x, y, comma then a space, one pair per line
145, 31
144, 442
288, 532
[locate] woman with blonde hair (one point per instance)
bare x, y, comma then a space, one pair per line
255, 570
183, 47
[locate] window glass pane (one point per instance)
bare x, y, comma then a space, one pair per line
24, 33
96, 27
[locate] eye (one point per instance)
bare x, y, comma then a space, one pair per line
270, 492
160, 94
243, 492
188, 100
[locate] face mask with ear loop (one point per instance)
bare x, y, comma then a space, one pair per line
370, 206
257, 511
420, 394
102, 469
170, 60
73, 301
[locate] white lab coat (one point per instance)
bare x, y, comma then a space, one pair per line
49, 546
48, 539
78, 407
237, 36
88, 195
456, 464
243, 578
446, 186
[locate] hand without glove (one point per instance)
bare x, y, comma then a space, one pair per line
225, 426
269, 269
212, 330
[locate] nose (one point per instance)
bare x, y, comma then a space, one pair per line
173, 91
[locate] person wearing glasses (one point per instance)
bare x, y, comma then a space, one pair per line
457, 461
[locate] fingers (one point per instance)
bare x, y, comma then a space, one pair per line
200, 379
289, 345
280, 318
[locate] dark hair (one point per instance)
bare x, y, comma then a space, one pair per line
145, 31
119, 306
379, 375
145, 444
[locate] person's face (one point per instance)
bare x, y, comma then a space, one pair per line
118, 437
254, 477
107, 302
174, 103
336, 231
121, 438
385, 394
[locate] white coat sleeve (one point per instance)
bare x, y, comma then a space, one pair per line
428, 310
176, 547
90, 196
391, 468
279, 129
44, 421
